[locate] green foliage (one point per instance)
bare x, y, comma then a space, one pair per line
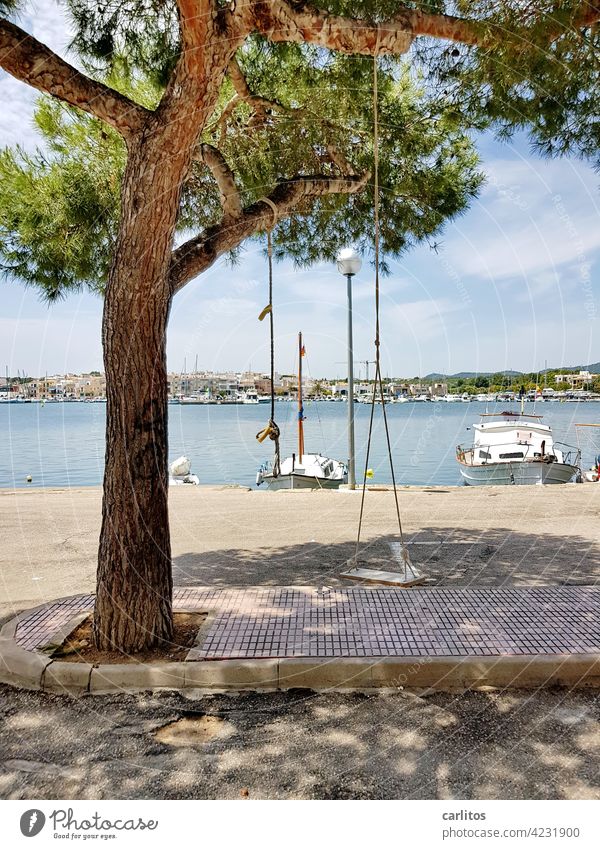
59, 208
143, 34
428, 167
542, 73
539, 72
500, 382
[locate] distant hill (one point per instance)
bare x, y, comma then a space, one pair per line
467, 374
593, 368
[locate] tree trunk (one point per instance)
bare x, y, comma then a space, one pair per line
134, 589
134, 584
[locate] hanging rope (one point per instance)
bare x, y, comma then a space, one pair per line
272, 429
378, 378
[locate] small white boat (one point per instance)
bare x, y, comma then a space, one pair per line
514, 449
306, 471
180, 473
591, 475
367, 398
194, 399
302, 470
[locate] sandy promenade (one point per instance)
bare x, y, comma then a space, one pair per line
226, 536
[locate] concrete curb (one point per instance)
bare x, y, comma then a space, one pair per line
30, 670
33, 670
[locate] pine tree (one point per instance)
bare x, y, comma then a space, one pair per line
199, 110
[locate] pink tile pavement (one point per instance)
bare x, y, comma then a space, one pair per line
371, 622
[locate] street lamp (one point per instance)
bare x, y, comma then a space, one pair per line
349, 264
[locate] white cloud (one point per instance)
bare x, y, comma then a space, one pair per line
16, 110
51, 25
48, 22
534, 216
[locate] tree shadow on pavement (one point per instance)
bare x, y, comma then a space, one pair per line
450, 556
494, 745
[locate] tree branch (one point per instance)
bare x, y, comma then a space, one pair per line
264, 107
339, 160
199, 253
587, 15
280, 20
32, 62
240, 84
194, 24
229, 195
210, 35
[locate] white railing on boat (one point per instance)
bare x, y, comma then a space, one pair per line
466, 456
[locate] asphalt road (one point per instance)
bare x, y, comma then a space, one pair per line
507, 745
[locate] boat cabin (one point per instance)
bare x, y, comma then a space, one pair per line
510, 437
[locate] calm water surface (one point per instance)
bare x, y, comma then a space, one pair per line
63, 444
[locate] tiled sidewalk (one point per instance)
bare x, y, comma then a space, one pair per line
263, 622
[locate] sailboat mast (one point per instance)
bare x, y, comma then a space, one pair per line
300, 407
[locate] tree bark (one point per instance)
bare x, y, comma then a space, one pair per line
134, 584
133, 608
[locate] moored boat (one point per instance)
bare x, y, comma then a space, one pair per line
302, 470
516, 449
180, 472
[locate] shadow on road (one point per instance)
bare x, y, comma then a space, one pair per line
451, 556
499, 745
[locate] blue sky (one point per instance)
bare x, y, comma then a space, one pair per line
516, 281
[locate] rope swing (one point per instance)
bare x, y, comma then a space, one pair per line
411, 574
271, 430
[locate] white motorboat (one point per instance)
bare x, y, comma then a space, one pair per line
513, 449
302, 470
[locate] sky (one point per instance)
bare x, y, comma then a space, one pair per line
514, 284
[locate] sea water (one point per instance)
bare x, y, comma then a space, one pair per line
62, 444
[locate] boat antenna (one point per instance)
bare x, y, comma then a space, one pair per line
271, 430
411, 575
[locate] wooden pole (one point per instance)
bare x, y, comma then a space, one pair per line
300, 408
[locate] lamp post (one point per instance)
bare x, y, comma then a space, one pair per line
349, 264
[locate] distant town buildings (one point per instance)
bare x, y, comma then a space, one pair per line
576, 381
59, 387
251, 386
